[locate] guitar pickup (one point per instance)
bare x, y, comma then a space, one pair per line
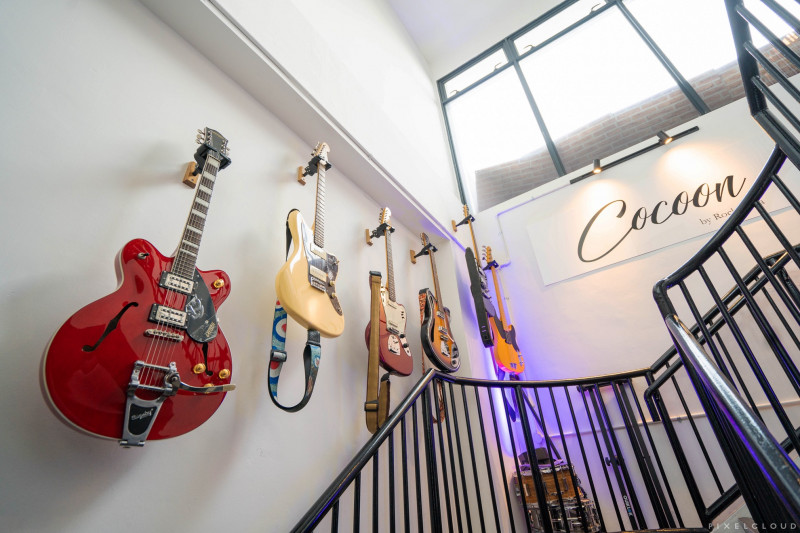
319, 252
166, 315
176, 283
317, 278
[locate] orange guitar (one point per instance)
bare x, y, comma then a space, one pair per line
505, 350
394, 351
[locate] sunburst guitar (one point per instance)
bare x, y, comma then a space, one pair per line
148, 361
435, 333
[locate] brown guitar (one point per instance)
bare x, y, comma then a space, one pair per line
435, 333
394, 351
505, 350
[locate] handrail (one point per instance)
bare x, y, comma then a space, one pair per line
781, 472
320, 507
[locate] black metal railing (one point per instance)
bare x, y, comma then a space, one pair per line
752, 336
584, 447
779, 121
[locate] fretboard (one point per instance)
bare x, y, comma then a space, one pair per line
389, 265
319, 212
435, 278
186, 257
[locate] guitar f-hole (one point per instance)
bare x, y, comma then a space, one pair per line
112, 325
209, 372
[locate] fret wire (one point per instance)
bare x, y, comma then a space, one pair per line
319, 213
186, 260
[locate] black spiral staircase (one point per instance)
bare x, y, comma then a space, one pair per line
636, 450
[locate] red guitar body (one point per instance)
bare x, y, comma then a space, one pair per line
395, 353
87, 366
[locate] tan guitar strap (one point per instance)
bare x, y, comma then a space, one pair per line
377, 405
440, 389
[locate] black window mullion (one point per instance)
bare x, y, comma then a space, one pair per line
548, 141
684, 85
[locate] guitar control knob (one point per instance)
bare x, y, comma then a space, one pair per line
333, 295
332, 283
218, 283
224, 373
199, 368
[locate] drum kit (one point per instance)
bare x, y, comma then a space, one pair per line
569, 508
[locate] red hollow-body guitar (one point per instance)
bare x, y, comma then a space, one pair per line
394, 350
148, 361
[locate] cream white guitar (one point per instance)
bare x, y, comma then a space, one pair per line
306, 283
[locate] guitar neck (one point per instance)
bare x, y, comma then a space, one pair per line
500, 302
435, 279
475, 244
319, 211
389, 266
186, 256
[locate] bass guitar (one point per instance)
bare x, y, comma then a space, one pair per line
505, 351
478, 285
306, 283
435, 333
148, 361
394, 351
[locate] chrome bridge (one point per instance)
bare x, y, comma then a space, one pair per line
161, 334
140, 414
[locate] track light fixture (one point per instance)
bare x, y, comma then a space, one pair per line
663, 139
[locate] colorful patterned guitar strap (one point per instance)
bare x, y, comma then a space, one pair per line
277, 355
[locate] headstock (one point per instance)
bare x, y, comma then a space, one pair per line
384, 217
383, 229
487, 256
427, 248
318, 162
467, 219
211, 143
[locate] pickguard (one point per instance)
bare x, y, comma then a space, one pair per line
201, 317
322, 267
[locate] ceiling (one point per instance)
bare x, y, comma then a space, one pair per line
448, 33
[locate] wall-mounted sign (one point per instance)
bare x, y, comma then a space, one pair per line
642, 206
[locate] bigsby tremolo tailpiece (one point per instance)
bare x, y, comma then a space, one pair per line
140, 414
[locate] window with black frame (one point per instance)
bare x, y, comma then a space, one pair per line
586, 80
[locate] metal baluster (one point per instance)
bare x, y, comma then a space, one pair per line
575, 488
415, 440
550, 457
472, 457
585, 462
664, 479
503, 468
453, 416
404, 463
443, 462
430, 454
486, 458
600, 454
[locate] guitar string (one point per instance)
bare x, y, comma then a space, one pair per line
161, 348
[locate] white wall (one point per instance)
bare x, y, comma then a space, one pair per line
100, 105
357, 61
